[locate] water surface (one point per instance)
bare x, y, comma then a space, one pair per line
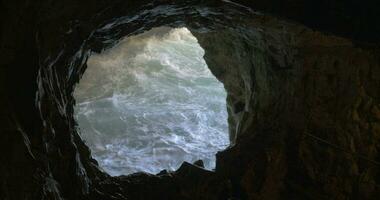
150, 103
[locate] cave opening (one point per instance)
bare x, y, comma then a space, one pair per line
303, 102
150, 103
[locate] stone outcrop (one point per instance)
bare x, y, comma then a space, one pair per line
294, 103
304, 105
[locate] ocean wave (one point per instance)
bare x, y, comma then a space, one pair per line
151, 103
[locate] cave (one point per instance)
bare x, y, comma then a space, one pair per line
302, 80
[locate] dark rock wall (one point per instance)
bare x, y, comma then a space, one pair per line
356, 19
306, 116
304, 106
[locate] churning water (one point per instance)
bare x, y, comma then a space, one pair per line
151, 103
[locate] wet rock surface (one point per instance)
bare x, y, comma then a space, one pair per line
304, 106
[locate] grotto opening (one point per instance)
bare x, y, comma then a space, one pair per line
150, 103
302, 79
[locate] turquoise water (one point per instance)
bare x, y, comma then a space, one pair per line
150, 103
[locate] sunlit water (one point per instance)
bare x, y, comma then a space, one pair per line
151, 103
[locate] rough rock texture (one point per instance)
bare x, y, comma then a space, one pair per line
305, 113
304, 106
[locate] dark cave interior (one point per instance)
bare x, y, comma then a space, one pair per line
303, 98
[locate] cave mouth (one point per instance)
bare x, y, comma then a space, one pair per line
150, 103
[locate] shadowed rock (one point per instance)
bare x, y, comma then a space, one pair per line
303, 105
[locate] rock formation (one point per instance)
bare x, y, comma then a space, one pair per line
304, 104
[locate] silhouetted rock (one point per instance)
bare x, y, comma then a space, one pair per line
199, 163
303, 104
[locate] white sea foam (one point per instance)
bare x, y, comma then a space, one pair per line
151, 103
